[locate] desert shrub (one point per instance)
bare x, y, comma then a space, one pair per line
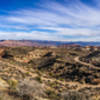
27, 73
51, 74
38, 78
52, 95
30, 89
12, 83
74, 95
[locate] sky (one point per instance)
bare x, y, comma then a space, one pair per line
56, 20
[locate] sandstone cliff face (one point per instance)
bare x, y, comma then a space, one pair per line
2, 52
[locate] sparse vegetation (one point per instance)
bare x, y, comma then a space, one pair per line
46, 73
74, 95
30, 88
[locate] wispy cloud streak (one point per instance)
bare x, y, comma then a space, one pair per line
72, 18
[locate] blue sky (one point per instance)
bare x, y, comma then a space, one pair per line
58, 20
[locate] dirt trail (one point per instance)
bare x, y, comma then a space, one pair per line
80, 86
18, 68
86, 64
4, 84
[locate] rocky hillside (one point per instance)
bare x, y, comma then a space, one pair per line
46, 73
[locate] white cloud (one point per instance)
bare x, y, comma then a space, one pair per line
34, 35
69, 19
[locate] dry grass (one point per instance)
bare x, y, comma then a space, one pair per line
30, 88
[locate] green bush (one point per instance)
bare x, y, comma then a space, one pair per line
38, 78
12, 83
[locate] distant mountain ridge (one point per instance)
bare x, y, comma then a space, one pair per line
12, 43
